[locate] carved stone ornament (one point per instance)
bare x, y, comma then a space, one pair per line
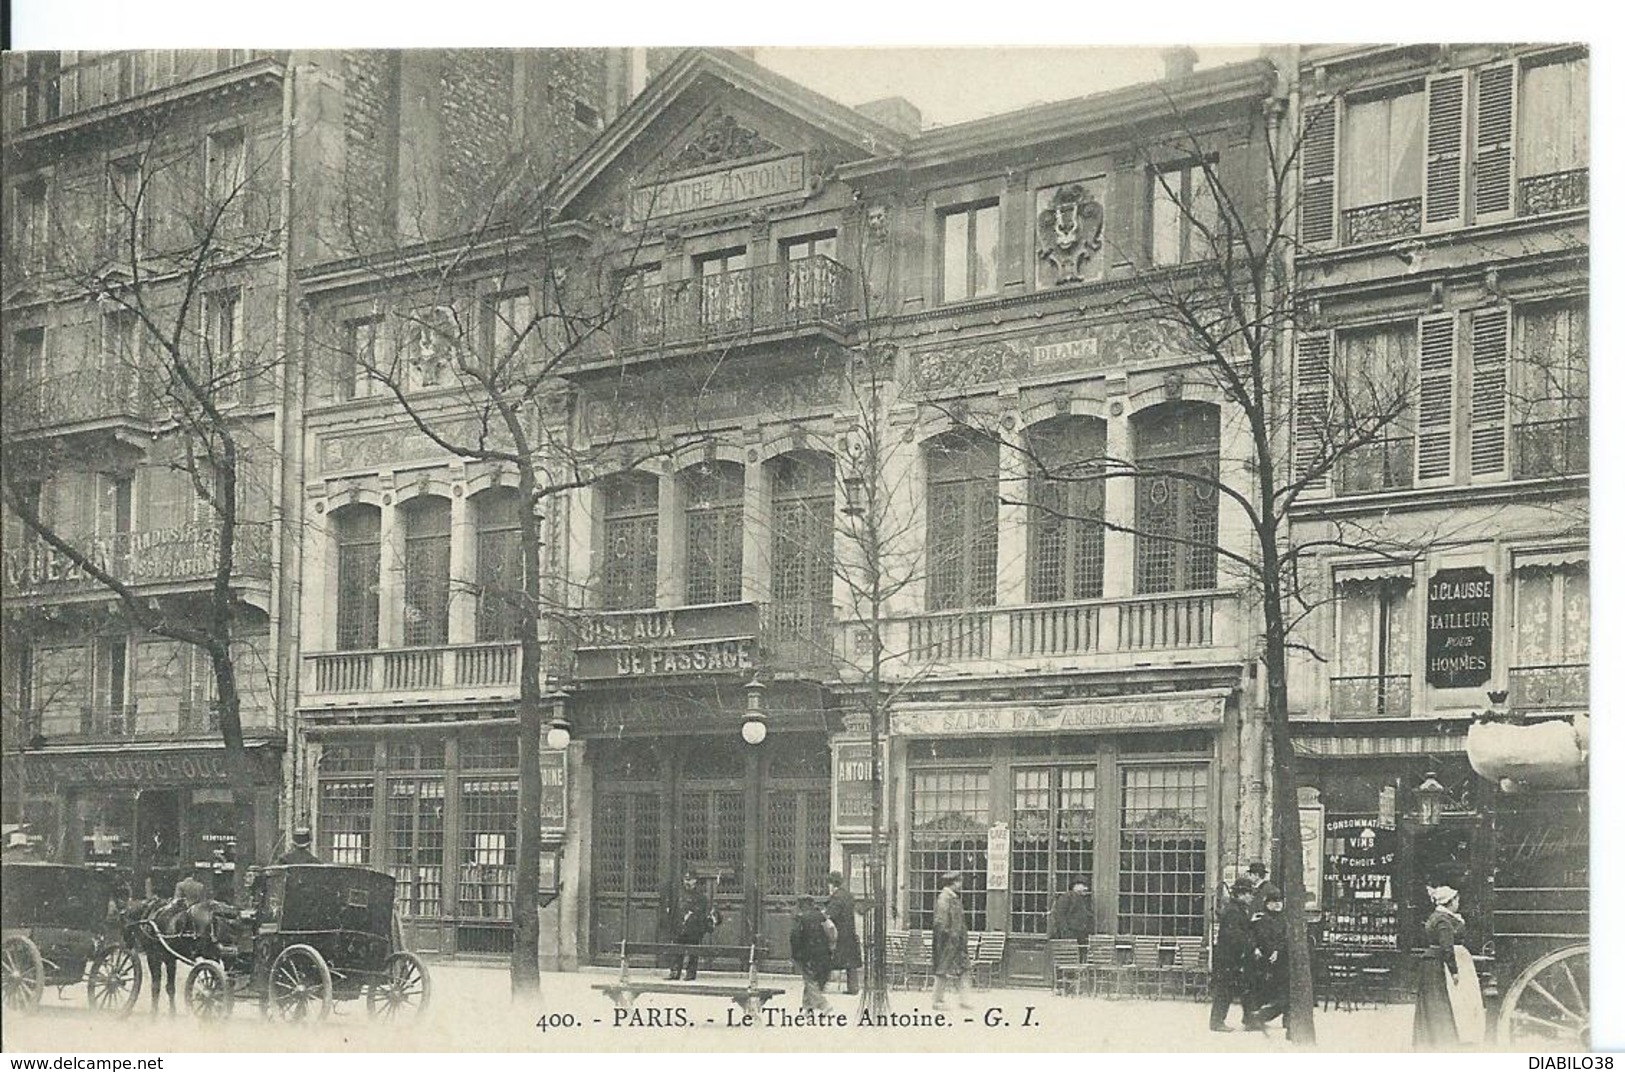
1069, 231
434, 339
722, 138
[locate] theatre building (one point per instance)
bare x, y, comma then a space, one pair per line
1460, 271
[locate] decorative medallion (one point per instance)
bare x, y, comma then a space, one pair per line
722, 138
1069, 231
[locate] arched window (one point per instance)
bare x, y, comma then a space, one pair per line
1176, 507
1065, 536
355, 533
631, 540
803, 546
714, 505
962, 520
426, 522
499, 585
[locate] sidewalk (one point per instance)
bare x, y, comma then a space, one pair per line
471, 1010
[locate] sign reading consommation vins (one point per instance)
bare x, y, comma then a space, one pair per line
1461, 612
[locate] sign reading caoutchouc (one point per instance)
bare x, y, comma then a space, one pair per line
1461, 613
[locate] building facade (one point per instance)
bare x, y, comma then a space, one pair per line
1444, 211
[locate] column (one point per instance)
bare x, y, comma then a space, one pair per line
581, 535
756, 583
1012, 575
391, 575
1118, 507
1235, 451
462, 604
669, 591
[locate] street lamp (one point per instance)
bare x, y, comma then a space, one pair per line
558, 727
1430, 798
753, 728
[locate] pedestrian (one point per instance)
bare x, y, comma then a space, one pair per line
1073, 914
1449, 1005
1259, 875
692, 920
300, 853
1231, 948
842, 912
1268, 986
812, 948
949, 942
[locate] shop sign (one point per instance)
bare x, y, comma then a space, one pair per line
1098, 717
555, 799
700, 640
727, 186
1461, 606
998, 856
1312, 831
171, 768
853, 786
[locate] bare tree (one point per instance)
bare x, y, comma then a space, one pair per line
161, 262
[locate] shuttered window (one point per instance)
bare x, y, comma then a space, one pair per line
1317, 207
1310, 433
1492, 142
962, 521
1382, 168
1446, 155
1435, 440
1489, 392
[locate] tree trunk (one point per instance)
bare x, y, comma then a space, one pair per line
525, 972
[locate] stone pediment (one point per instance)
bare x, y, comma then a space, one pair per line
722, 138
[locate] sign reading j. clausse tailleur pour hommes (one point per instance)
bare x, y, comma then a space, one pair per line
1461, 611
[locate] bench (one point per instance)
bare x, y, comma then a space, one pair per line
750, 997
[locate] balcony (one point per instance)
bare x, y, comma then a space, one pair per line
797, 635
1382, 222
1545, 688
1091, 634
1551, 448
768, 302
176, 720
1382, 465
146, 558
79, 402
1557, 192
1371, 696
447, 672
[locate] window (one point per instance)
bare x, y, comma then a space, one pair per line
1052, 840
126, 207
631, 541
809, 246
803, 548
642, 293
714, 507
61, 687
1382, 167
42, 94
808, 282
499, 586
1372, 397
490, 822
224, 168
1554, 151
358, 358
222, 368
1065, 533
121, 355
1176, 446
31, 221
970, 252
25, 373
1183, 207
950, 820
1551, 392
1162, 857
1552, 632
513, 331
1373, 678
962, 521
416, 814
426, 522
344, 822
355, 531
724, 286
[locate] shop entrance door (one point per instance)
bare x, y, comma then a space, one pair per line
711, 843
157, 849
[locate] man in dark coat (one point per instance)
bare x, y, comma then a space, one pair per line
842, 912
691, 922
1267, 986
1073, 915
1232, 948
300, 853
812, 948
950, 942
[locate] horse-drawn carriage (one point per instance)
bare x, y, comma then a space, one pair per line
313, 934
60, 928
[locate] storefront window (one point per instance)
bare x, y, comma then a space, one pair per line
345, 835
417, 839
1162, 870
490, 819
1052, 840
950, 820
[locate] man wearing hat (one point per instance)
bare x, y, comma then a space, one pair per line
842, 912
1232, 948
1073, 916
300, 853
949, 942
692, 920
1267, 986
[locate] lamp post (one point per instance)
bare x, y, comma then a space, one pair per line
558, 727
1430, 799
753, 727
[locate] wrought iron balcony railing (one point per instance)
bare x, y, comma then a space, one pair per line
1551, 448
803, 294
1544, 687
1555, 192
85, 397
1383, 465
1375, 223
1371, 696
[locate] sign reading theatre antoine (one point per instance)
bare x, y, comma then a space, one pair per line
664, 643
729, 186
1461, 608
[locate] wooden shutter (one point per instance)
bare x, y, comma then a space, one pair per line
1489, 399
1317, 206
1493, 124
1434, 421
1446, 160
1314, 376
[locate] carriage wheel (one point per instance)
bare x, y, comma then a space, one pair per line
208, 991
24, 978
403, 991
301, 987
1549, 1004
113, 980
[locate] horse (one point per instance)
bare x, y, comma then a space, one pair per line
167, 929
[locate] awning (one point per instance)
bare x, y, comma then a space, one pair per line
1376, 571
1573, 556
1356, 746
